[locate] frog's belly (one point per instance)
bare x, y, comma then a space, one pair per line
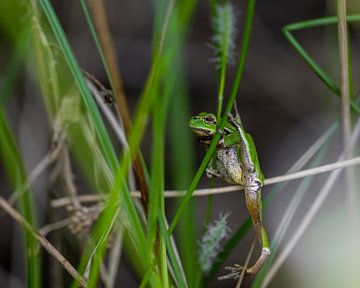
228, 165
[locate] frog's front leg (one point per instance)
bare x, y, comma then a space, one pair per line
211, 171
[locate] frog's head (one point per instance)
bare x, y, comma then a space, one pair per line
203, 125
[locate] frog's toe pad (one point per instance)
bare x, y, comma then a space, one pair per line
235, 272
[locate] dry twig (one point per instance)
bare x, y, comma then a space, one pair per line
57, 203
43, 241
246, 264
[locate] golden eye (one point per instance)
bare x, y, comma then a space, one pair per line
209, 120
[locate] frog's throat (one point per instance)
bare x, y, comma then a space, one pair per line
203, 132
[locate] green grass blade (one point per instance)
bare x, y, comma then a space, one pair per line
324, 77
167, 90
324, 21
157, 186
107, 218
89, 22
239, 71
89, 102
179, 276
223, 22
13, 66
141, 115
16, 173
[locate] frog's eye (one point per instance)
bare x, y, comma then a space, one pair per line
210, 120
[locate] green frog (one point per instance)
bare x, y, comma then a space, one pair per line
236, 161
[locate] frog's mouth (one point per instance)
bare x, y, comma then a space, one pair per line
203, 133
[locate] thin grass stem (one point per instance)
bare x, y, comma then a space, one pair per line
345, 74
239, 71
45, 243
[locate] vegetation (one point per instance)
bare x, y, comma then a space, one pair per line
121, 207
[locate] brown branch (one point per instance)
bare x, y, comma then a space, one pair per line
43, 241
98, 13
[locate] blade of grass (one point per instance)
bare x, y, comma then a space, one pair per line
108, 57
13, 66
15, 170
223, 22
179, 276
167, 84
181, 152
119, 185
324, 77
229, 105
146, 102
346, 88
89, 102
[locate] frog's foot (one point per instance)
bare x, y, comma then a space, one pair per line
235, 272
211, 173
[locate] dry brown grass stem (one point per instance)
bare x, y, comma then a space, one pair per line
346, 114
99, 17
43, 241
57, 203
246, 264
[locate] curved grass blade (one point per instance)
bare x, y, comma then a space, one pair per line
107, 218
13, 66
223, 41
148, 99
89, 102
324, 77
179, 276
13, 165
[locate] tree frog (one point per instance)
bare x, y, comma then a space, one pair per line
236, 161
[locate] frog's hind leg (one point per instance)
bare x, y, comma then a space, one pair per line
253, 204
